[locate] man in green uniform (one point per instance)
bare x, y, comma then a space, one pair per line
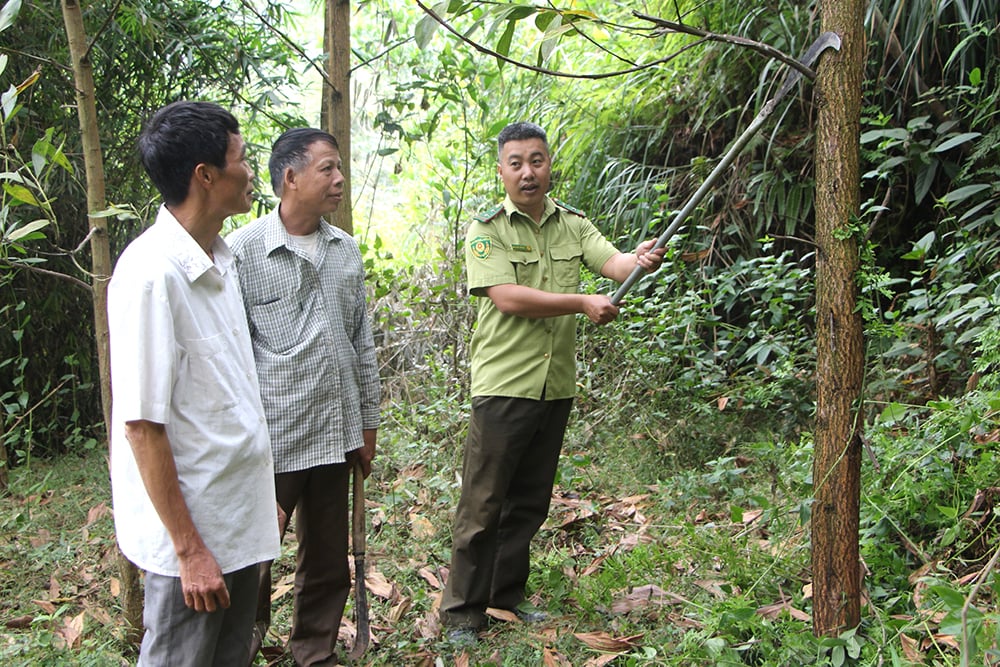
523, 260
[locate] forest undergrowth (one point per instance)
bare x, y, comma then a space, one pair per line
678, 533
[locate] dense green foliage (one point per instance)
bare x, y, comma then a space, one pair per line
144, 55
696, 405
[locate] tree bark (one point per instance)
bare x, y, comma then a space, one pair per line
101, 263
840, 344
336, 103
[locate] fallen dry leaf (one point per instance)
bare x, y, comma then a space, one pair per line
716, 588
19, 622
911, 649
429, 626
773, 611
601, 660
602, 641
502, 615
379, 586
644, 596
430, 577
421, 526
97, 512
71, 630
398, 610
552, 658
46, 606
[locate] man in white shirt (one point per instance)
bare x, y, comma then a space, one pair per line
191, 465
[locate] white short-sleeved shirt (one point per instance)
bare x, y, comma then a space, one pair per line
181, 356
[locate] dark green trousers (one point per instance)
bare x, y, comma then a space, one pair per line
509, 466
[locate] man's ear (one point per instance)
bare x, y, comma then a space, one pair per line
203, 174
289, 178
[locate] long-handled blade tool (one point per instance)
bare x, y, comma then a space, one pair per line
828, 40
361, 637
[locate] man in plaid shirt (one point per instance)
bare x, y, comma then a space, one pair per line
303, 288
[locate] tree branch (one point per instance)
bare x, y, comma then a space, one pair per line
541, 70
55, 274
665, 26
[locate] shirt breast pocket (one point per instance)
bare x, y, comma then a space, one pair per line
566, 264
279, 325
209, 373
527, 270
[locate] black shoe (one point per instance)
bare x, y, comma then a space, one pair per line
529, 613
461, 637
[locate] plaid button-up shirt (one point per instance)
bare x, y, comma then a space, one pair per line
312, 341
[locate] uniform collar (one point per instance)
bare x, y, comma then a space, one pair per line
511, 208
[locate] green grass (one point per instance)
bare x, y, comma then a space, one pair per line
703, 564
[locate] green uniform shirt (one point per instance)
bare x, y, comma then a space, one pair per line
517, 356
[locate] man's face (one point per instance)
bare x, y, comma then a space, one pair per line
525, 169
235, 183
319, 186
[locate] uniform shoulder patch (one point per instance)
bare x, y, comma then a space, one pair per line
571, 209
481, 247
489, 214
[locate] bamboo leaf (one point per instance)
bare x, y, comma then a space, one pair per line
29, 228
503, 46
20, 193
9, 13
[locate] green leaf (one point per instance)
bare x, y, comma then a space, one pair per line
957, 140
544, 18
975, 76
425, 30
503, 46
893, 413
922, 247
965, 192
9, 13
925, 179
21, 194
21, 232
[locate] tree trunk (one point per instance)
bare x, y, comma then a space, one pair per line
101, 263
839, 333
336, 103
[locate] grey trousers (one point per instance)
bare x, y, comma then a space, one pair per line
509, 466
178, 636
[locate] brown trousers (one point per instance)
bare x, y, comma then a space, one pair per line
318, 498
509, 466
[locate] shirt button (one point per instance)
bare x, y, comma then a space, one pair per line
546, 355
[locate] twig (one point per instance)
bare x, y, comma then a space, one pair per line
55, 274
760, 47
980, 578
541, 70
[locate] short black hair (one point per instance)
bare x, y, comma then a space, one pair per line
179, 137
291, 149
519, 132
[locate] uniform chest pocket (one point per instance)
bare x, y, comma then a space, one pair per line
566, 259
527, 270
